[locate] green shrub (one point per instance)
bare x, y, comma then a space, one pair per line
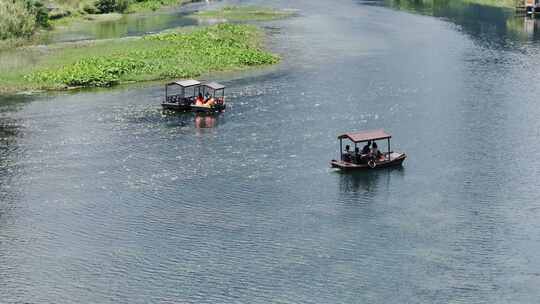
109, 6
90, 8
37, 10
58, 13
40, 12
16, 20
20, 18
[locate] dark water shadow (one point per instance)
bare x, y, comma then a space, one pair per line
369, 181
150, 116
11, 131
9, 103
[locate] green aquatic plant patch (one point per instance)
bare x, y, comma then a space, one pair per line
153, 5
243, 13
162, 56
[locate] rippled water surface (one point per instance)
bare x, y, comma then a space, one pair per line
103, 199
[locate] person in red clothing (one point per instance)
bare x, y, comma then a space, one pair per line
199, 101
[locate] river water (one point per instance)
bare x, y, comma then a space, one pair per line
103, 199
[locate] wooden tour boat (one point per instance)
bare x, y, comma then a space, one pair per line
355, 160
193, 96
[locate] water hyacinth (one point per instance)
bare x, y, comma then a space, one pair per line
213, 48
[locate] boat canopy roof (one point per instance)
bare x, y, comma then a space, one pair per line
365, 135
214, 85
186, 83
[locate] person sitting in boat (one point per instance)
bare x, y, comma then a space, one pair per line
199, 101
210, 102
375, 153
366, 149
347, 154
357, 157
207, 101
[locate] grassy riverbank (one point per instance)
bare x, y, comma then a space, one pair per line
162, 56
243, 13
20, 19
423, 4
82, 7
86, 10
497, 3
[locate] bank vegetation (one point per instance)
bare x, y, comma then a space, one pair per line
20, 19
178, 54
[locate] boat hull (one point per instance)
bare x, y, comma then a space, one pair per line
178, 107
349, 166
215, 108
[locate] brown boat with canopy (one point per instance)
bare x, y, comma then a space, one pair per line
360, 160
180, 95
192, 95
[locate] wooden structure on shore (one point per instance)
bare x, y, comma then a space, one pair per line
527, 7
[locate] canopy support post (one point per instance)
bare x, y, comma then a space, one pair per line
340, 149
388, 148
